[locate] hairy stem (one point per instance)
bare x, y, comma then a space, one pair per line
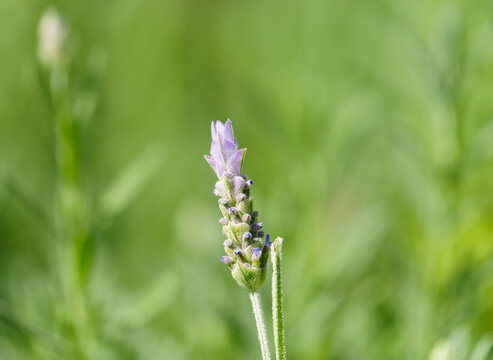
259, 318
277, 300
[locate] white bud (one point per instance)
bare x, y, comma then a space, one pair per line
52, 34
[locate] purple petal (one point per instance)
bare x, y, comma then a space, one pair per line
220, 169
216, 151
228, 131
225, 136
220, 128
215, 147
228, 148
224, 149
235, 162
217, 167
211, 161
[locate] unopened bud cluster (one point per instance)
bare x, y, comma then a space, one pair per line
247, 252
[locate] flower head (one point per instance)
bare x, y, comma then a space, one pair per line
243, 246
225, 155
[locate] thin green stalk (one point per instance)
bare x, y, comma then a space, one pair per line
277, 300
259, 318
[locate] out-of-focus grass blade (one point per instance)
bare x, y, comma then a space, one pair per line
26, 333
16, 190
127, 185
482, 148
147, 304
482, 349
368, 232
21, 330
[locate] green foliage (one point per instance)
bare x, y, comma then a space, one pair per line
368, 126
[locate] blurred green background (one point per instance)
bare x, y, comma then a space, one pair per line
369, 127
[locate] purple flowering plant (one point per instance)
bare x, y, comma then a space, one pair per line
247, 252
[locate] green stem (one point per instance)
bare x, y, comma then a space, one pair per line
259, 318
277, 300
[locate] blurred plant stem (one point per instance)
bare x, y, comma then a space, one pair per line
259, 318
70, 216
459, 108
70, 210
277, 300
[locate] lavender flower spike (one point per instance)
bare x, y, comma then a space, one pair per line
245, 259
239, 221
225, 156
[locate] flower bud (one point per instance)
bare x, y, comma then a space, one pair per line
227, 243
226, 260
223, 201
257, 226
219, 189
256, 253
267, 241
238, 184
248, 184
